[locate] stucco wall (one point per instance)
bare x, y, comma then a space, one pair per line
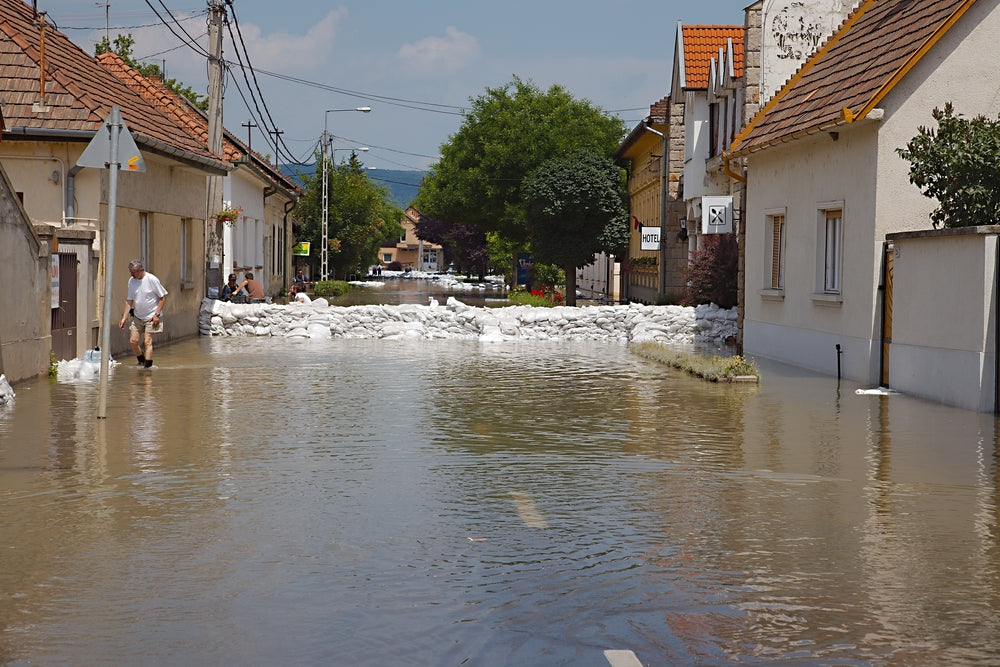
798, 325
944, 315
25, 338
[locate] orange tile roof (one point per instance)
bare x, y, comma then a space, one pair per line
79, 92
701, 43
854, 69
185, 114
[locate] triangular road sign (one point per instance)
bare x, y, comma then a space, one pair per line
98, 151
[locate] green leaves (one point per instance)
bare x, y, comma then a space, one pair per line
958, 164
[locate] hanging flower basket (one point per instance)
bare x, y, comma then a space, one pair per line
228, 215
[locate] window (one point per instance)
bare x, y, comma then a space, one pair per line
829, 240
775, 252
144, 239
185, 262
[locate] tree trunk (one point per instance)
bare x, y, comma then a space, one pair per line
570, 284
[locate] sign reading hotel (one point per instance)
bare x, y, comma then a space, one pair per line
649, 238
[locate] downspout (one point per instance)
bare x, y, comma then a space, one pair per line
729, 171
71, 194
996, 331
289, 205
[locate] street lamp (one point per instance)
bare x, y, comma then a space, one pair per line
362, 149
324, 270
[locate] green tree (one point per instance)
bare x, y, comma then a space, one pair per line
959, 165
123, 47
575, 208
359, 217
507, 133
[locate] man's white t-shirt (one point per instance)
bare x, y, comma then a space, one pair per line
145, 293
302, 297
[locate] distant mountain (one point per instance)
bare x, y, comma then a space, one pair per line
402, 183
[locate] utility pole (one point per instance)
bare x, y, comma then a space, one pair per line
277, 134
249, 125
324, 265
213, 228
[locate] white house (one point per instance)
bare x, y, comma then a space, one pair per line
825, 184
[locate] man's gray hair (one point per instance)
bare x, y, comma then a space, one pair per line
135, 265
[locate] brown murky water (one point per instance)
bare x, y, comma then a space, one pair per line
273, 501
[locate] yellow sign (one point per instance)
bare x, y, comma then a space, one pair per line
301, 248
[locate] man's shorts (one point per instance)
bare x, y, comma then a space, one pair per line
145, 326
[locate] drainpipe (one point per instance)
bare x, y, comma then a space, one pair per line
996, 331
883, 287
71, 193
289, 205
663, 213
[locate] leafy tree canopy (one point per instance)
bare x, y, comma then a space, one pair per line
959, 165
359, 218
123, 47
465, 245
575, 208
507, 133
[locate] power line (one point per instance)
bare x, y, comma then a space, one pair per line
197, 48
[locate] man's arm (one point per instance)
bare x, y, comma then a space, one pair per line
159, 309
128, 307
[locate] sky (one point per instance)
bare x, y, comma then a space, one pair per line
416, 64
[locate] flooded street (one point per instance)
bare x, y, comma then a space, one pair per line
345, 502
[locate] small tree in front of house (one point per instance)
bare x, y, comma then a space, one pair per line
958, 164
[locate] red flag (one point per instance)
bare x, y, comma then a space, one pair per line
636, 222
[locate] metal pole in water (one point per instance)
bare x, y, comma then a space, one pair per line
838, 360
115, 123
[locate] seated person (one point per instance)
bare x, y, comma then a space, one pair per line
297, 294
253, 288
231, 292
300, 277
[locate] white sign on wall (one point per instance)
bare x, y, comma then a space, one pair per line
649, 238
717, 215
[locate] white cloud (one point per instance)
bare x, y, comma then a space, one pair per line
285, 52
440, 54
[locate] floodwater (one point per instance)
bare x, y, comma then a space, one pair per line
354, 502
395, 291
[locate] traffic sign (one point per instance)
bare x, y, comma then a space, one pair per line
98, 151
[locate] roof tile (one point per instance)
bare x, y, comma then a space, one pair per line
853, 69
79, 91
702, 44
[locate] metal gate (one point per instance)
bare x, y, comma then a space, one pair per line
64, 332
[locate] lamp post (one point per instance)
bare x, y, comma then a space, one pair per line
324, 269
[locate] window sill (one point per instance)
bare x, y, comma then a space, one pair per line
825, 299
187, 284
768, 294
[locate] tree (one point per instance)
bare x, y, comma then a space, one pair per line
359, 217
959, 165
463, 244
507, 133
713, 272
123, 47
575, 208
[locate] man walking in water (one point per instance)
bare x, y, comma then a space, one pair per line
144, 302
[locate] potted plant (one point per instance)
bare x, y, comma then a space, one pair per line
228, 214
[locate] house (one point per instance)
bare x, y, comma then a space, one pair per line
651, 193
260, 238
704, 54
410, 251
824, 182
53, 101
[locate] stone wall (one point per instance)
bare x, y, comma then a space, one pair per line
706, 324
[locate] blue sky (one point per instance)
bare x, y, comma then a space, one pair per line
416, 64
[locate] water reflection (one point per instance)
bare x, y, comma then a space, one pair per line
448, 502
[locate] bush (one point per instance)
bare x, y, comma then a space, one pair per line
331, 288
713, 272
394, 266
546, 297
713, 369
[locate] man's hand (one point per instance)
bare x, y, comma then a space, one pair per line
121, 325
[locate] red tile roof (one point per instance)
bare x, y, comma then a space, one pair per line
857, 66
185, 114
701, 43
78, 91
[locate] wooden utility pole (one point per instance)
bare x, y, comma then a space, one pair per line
213, 228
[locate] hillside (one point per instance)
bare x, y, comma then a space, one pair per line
402, 183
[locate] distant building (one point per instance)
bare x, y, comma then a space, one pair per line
411, 252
